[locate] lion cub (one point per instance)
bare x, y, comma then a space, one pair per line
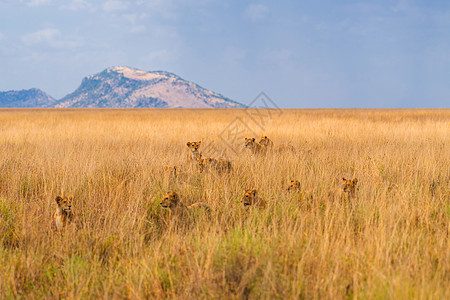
265, 141
252, 146
349, 186
219, 165
294, 187
348, 189
250, 198
194, 146
172, 202
64, 213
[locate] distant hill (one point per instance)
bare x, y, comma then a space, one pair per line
132, 88
26, 98
123, 87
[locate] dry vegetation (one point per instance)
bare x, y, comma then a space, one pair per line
392, 241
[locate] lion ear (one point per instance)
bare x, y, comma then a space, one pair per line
343, 179
254, 192
199, 143
70, 198
253, 139
58, 199
355, 180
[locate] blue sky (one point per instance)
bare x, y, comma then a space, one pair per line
302, 53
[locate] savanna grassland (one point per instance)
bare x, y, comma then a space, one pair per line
389, 242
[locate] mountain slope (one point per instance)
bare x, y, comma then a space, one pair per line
26, 99
131, 88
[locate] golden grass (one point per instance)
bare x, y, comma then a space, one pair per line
390, 242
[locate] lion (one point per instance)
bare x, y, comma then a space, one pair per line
348, 189
252, 146
349, 186
194, 146
172, 202
219, 165
266, 142
284, 148
295, 192
64, 213
294, 186
250, 198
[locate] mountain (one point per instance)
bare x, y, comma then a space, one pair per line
26, 98
132, 88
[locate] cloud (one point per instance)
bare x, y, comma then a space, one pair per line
256, 12
113, 5
77, 5
51, 37
44, 35
38, 2
1, 36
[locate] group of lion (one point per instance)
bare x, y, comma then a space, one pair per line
171, 201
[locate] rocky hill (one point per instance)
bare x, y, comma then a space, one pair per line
131, 88
26, 98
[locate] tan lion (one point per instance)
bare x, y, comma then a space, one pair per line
347, 191
252, 146
294, 186
172, 202
219, 165
194, 146
64, 213
250, 198
349, 186
266, 142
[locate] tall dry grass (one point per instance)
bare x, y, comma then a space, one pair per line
390, 242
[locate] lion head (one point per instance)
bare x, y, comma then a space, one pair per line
294, 186
250, 198
249, 143
265, 141
349, 185
170, 200
194, 146
64, 204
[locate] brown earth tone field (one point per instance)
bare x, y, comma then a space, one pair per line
389, 242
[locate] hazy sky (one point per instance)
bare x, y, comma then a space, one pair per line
302, 53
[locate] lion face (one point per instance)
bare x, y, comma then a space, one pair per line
265, 141
170, 200
64, 204
248, 198
349, 185
249, 143
194, 146
294, 186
